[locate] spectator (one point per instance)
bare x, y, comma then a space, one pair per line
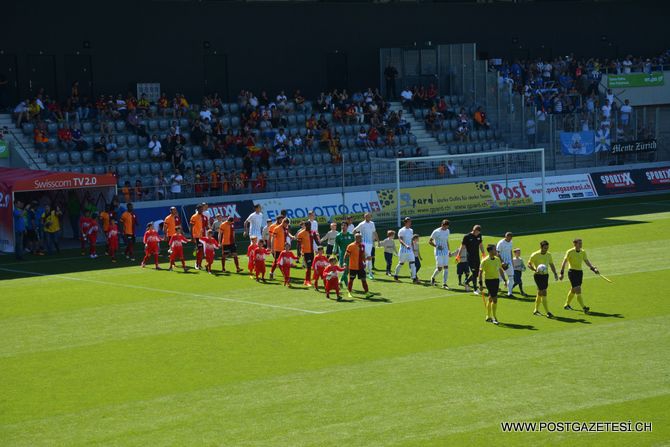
481, 122
135, 125
282, 158
390, 75
451, 168
111, 151
606, 110
155, 147
19, 229
21, 113
531, 130
143, 106
40, 136
139, 190
160, 186
362, 138
100, 150
626, 111
65, 138
282, 100
280, 138
78, 139
248, 164
51, 220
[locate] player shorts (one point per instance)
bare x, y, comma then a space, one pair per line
129, 239
462, 268
541, 281
442, 261
406, 256
369, 247
474, 263
329, 249
230, 249
360, 274
309, 258
492, 285
575, 277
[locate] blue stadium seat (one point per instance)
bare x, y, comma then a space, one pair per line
229, 164
28, 128
120, 126
196, 151
52, 128
122, 169
99, 170
163, 124
75, 157
307, 158
87, 169
239, 163
52, 158
63, 158
208, 166
166, 167
234, 108
133, 169
143, 154
235, 121
145, 168
155, 168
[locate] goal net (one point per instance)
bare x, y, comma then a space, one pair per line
442, 185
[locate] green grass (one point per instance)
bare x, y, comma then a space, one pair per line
98, 354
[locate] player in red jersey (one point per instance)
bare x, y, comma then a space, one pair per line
285, 262
92, 235
251, 260
319, 264
112, 239
85, 222
151, 240
331, 278
177, 247
209, 244
259, 257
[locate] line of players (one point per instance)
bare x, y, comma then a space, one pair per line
352, 246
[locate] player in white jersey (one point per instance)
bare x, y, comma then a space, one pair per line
439, 239
369, 234
350, 226
253, 226
504, 249
313, 228
406, 254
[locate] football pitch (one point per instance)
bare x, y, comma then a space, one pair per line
94, 353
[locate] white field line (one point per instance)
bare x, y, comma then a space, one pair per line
172, 292
452, 293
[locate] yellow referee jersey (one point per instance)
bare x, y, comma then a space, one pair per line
491, 268
538, 258
575, 258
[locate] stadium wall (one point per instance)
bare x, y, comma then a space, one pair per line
275, 46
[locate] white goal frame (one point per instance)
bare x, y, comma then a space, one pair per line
541, 151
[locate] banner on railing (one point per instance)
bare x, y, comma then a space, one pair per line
636, 80
432, 200
327, 207
519, 192
578, 143
628, 147
632, 180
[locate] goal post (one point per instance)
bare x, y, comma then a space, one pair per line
439, 185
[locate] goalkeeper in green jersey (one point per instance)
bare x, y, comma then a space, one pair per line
342, 241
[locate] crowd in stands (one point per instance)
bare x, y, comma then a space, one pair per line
263, 131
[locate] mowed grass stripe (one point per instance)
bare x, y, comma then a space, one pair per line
416, 397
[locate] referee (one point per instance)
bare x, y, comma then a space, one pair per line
574, 259
542, 257
472, 245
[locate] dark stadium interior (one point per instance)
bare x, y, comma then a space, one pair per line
307, 45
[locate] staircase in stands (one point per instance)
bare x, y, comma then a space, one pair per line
428, 143
22, 144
